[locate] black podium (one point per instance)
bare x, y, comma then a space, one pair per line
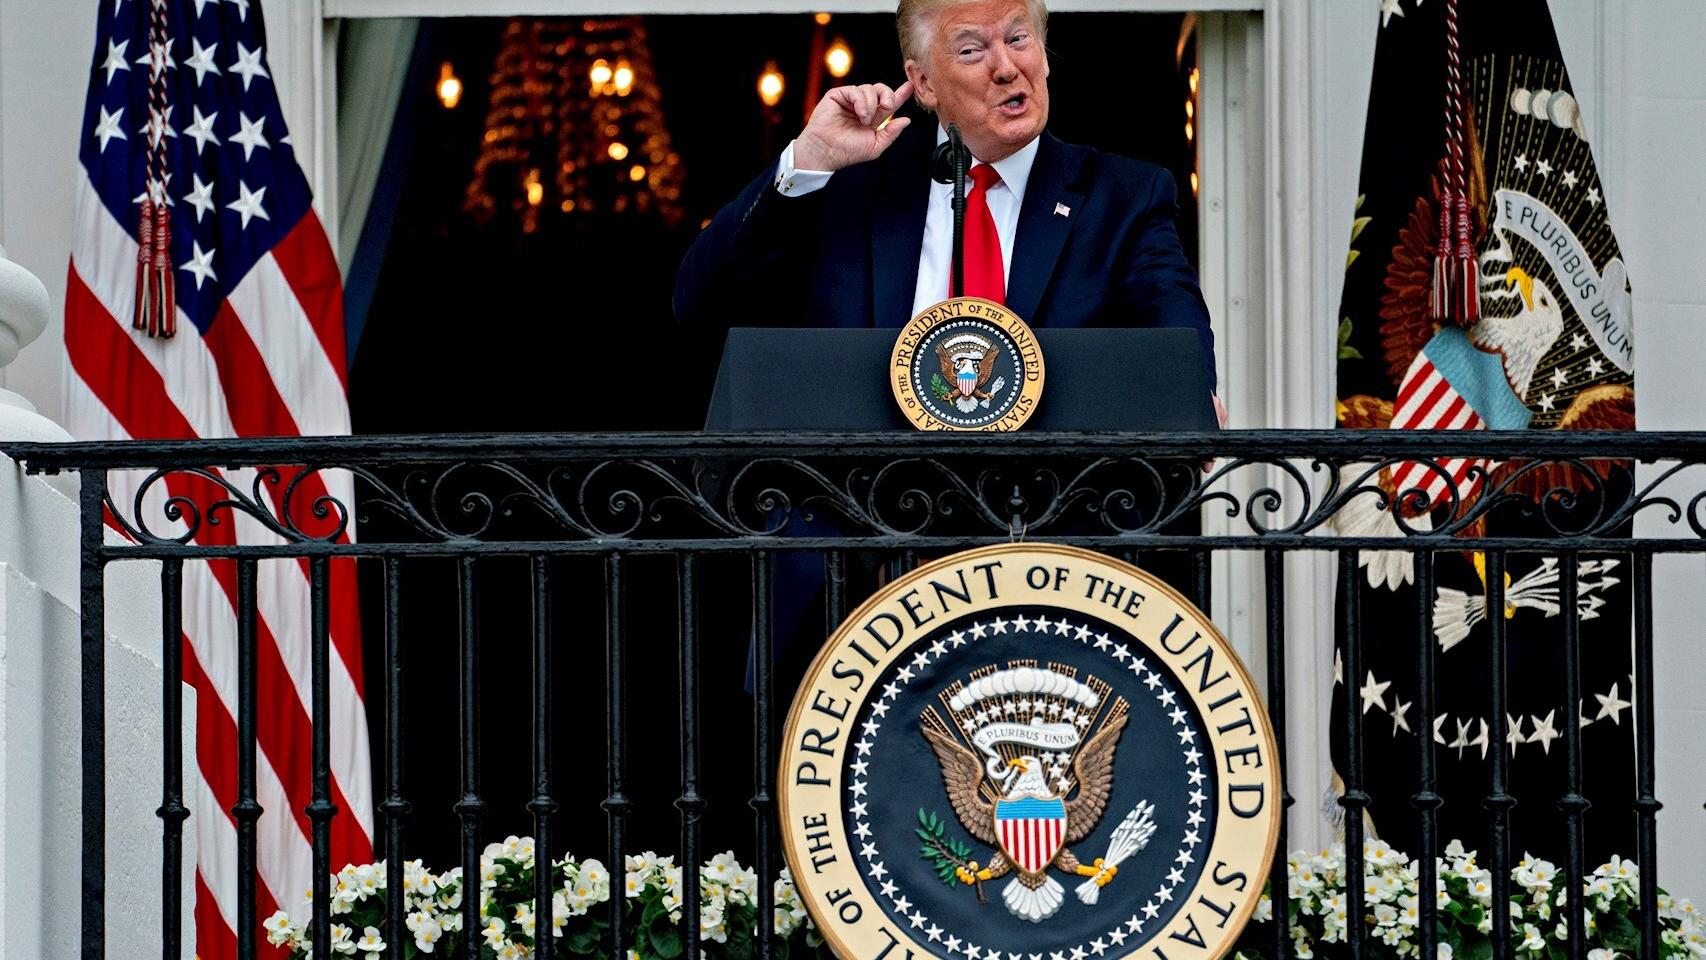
837, 380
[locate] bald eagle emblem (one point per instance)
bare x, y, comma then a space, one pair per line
1027, 758
967, 361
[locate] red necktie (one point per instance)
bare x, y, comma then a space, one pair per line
985, 275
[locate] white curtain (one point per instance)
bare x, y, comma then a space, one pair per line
373, 64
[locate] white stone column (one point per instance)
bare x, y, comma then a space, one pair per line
41, 700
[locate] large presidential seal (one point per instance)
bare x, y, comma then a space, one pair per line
1029, 752
967, 364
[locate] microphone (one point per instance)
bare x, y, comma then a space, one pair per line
951, 163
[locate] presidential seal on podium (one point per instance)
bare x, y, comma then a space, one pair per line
967, 364
1029, 750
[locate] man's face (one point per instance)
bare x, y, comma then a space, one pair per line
985, 70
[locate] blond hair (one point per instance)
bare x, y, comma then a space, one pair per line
911, 20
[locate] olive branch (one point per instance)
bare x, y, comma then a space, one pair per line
939, 387
946, 854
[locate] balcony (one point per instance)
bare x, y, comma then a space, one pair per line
653, 571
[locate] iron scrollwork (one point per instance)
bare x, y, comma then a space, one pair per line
864, 491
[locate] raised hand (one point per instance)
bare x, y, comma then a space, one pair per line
847, 126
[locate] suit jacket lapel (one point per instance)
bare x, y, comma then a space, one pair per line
1042, 230
899, 202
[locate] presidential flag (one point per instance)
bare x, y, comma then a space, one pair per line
1484, 290
204, 301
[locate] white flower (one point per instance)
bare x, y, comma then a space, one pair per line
1264, 909
634, 882
1304, 949
1374, 889
1602, 953
427, 932
722, 867
1480, 886
1445, 948
1536, 875
370, 940
560, 914
1531, 939
745, 883
711, 925
1378, 854
341, 942
1618, 867
1454, 849
524, 917
1386, 914
279, 930
593, 875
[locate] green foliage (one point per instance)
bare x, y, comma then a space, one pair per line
1357, 227
945, 854
939, 387
1346, 351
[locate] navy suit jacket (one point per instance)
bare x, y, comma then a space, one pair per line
847, 255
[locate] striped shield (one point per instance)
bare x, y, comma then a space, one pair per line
1451, 385
1031, 831
1426, 401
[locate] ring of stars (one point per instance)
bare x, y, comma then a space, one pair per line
1065, 630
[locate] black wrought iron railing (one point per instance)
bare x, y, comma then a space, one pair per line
634, 519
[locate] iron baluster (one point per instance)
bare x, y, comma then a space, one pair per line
470, 806
1647, 805
247, 810
1273, 566
320, 807
690, 803
543, 804
172, 811
616, 803
1426, 799
1499, 802
1573, 804
763, 732
395, 806
1355, 800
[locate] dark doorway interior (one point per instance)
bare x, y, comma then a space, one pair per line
482, 327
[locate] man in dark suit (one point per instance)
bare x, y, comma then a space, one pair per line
847, 228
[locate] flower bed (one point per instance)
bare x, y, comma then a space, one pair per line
1318, 907
728, 910
1317, 904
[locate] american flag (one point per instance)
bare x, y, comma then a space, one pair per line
258, 351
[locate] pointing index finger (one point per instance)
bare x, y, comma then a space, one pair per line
902, 94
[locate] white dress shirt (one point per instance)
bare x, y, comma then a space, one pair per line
936, 257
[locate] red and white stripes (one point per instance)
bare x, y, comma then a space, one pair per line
1031, 841
1426, 401
270, 364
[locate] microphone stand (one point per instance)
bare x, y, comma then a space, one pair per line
954, 156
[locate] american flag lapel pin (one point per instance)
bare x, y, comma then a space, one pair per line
1062, 210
